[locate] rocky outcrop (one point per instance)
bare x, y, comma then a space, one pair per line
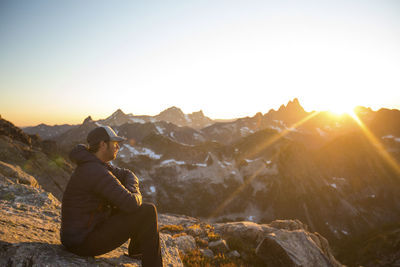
8, 129
14, 174
295, 248
36, 158
281, 243
29, 234
29, 230
51, 172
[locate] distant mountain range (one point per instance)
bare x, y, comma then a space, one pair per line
196, 128
174, 115
334, 175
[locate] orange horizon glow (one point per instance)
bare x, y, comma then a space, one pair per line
76, 115
74, 112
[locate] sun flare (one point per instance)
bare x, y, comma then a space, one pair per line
341, 109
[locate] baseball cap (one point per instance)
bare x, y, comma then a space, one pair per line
103, 133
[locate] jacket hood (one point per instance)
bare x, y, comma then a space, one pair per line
80, 154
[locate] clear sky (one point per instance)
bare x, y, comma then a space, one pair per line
61, 61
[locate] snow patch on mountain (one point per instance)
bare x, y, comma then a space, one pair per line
160, 129
339, 179
136, 120
187, 118
321, 133
172, 162
245, 131
140, 151
198, 137
201, 164
397, 139
275, 128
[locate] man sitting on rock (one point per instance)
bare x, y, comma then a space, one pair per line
102, 205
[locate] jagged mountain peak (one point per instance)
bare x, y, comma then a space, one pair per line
172, 111
295, 101
87, 120
293, 105
176, 116
118, 112
198, 113
258, 115
117, 118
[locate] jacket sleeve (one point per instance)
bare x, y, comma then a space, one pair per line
110, 188
127, 178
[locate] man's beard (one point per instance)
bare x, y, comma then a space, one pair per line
112, 154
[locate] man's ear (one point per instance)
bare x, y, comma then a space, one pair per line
102, 144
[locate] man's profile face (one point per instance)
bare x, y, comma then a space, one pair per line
112, 149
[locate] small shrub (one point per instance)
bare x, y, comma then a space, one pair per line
172, 228
213, 236
179, 234
207, 226
194, 226
9, 196
195, 258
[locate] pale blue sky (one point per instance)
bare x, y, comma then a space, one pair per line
61, 61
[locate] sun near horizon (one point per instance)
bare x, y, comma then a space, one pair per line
58, 117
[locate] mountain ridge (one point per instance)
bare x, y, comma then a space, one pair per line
285, 117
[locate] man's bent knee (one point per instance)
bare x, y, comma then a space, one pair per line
149, 209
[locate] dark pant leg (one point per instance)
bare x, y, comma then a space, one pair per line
141, 226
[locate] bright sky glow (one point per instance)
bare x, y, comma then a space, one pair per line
61, 61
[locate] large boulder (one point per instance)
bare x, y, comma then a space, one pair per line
250, 232
295, 248
280, 243
29, 232
16, 175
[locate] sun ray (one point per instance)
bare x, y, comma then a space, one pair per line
232, 196
267, 143
276, 137
377, 144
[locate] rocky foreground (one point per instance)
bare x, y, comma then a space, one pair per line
29, 236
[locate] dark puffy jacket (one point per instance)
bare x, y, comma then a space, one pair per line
93, 189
